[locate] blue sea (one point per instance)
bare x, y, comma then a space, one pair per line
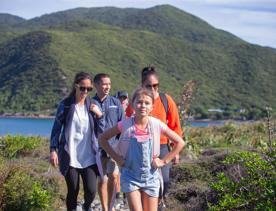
42, 127
26, 126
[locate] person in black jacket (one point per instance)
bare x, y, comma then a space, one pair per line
74, 147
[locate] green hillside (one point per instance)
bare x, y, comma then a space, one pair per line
166, 20
30, 79
7, 26
39, 57
7, 20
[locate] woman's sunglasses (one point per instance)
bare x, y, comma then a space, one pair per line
150, 86
82, 89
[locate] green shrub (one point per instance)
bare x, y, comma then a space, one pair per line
251, 135
12, 146
3, 174
23, 192
249, 185
39, 198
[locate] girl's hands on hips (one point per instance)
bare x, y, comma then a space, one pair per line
158, 163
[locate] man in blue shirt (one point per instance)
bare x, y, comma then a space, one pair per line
112, 114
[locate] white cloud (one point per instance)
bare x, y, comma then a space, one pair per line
249, 22
251, 30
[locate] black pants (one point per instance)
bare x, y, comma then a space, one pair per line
89, 178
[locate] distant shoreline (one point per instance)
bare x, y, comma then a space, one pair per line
40, 116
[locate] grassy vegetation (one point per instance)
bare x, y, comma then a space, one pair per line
36, 68
231, 135
23, 182
14, 146
229, 167
218, 166
38, 60
249, 185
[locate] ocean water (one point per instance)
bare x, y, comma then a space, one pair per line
26, 126
43, 127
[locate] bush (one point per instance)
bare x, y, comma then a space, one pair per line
3, 175
23, 192
249, 185
25, 183
12, 146
230, 135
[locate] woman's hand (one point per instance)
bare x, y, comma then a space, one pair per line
96, 110
158, 163
54, 158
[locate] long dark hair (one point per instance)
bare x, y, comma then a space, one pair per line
78, 78
147, 72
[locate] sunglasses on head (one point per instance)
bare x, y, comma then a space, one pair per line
82, 89
149, 86
123, 98
148, 70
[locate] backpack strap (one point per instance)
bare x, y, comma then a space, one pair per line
165, 103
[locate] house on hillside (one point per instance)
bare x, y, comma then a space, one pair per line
218, 110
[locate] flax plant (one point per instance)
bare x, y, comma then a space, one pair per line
187, 96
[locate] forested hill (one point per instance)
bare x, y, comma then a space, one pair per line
7, 20
39, 57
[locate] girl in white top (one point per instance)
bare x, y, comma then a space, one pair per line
137, 158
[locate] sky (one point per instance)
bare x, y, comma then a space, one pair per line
252, 20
